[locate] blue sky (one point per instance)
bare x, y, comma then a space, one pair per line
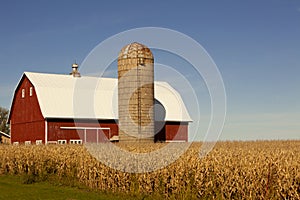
255, 44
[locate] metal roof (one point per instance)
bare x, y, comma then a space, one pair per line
65, 96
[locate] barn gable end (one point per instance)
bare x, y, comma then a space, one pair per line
25, 118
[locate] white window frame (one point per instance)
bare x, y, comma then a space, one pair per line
75, 141
27, 142
39, 142
30, 91
23, 93
61, 141
15, 143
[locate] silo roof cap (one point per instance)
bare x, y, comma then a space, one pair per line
135, 50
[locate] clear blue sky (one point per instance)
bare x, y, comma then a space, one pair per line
255, 44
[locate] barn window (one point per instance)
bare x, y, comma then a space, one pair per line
62, 141
15, 143
23, 93
38, 142
75, 141
30, 91
27, 142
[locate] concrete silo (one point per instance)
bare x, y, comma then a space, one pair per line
136, 93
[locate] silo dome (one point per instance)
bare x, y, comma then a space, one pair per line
135, 50
136, 93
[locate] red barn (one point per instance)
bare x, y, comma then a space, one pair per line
54, 108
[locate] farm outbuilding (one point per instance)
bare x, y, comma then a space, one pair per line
4, 138
56, 108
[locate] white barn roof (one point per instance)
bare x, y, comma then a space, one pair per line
63, 96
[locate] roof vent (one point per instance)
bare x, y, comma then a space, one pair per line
75, 71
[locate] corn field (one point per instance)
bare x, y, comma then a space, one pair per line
232, 170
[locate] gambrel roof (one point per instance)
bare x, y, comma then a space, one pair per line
86, 97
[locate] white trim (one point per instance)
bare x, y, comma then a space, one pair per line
84, 128
27, 142
46, 131
15, 143
175, 141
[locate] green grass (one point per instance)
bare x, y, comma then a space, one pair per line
12, 187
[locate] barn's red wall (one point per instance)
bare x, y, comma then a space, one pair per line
26, 120
55, 132
171, 131
176, 131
